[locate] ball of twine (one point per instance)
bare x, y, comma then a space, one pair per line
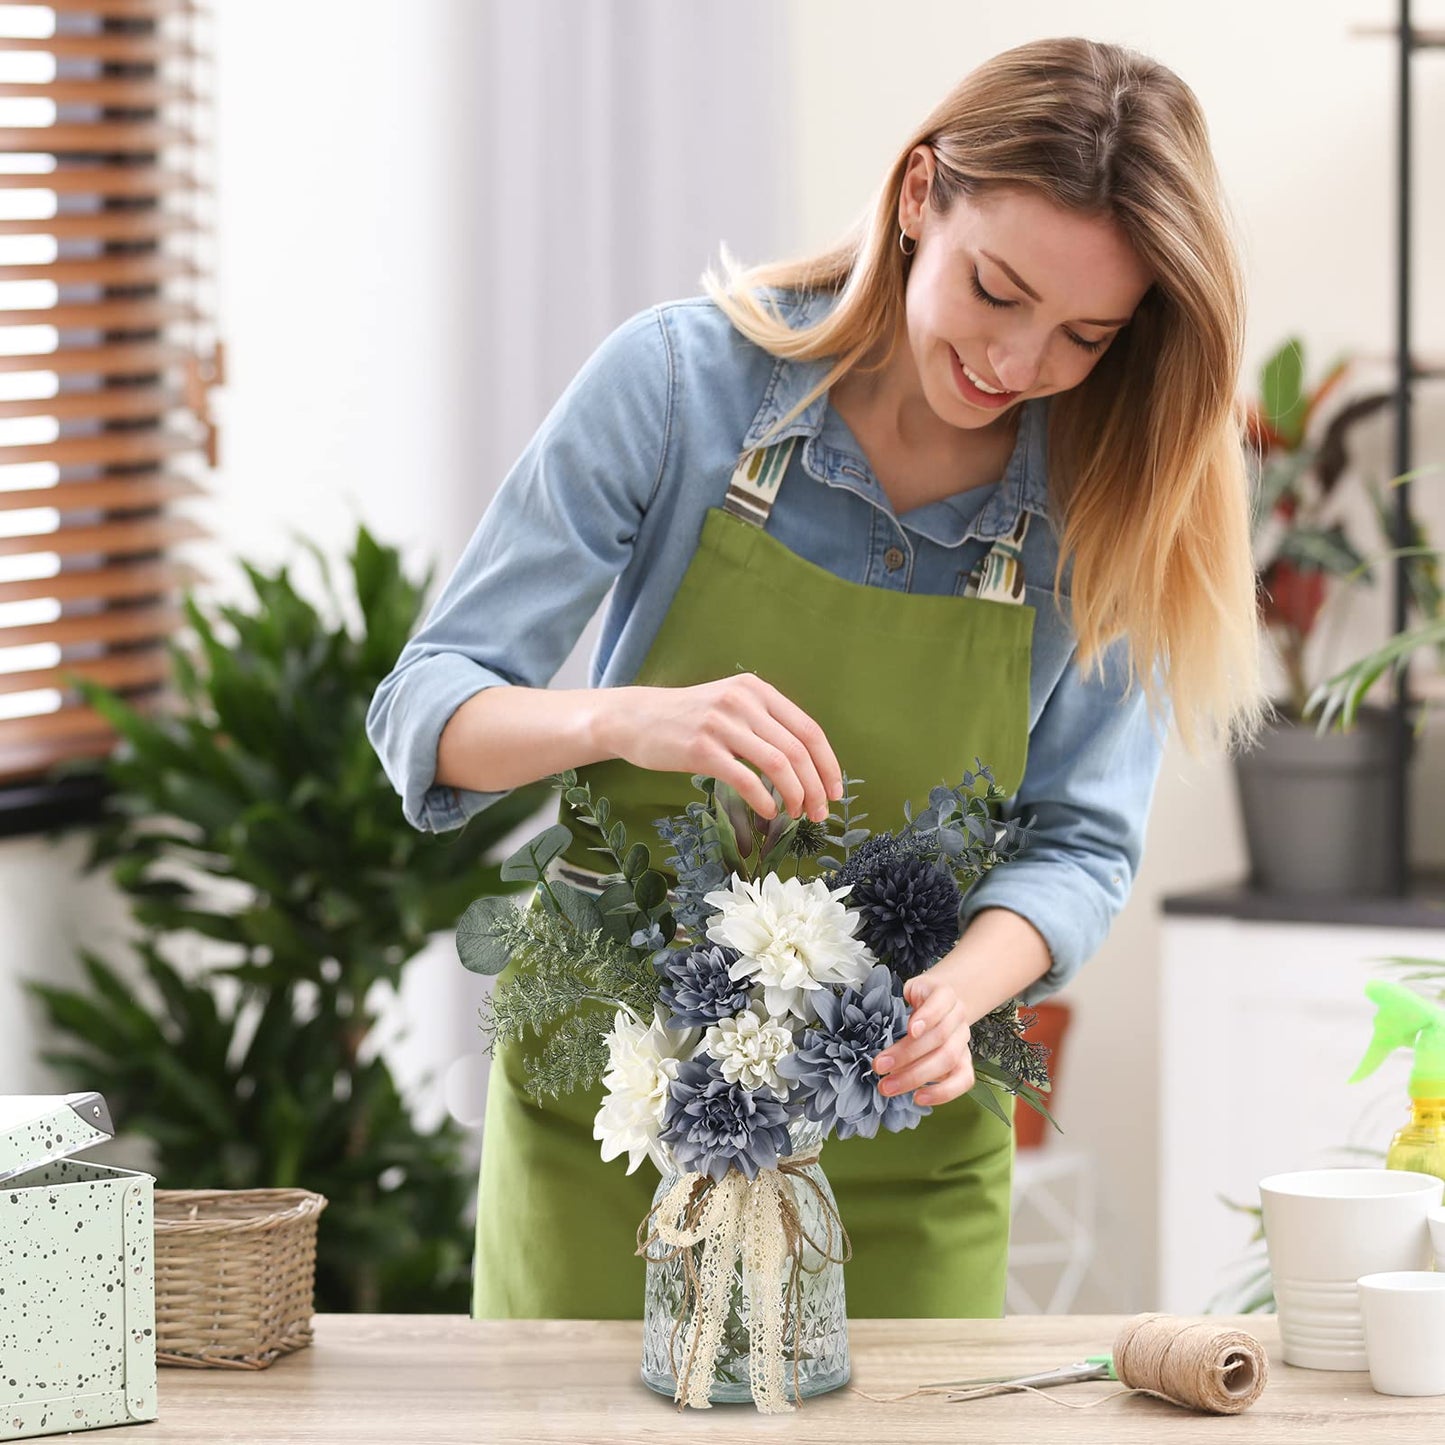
1202, 1365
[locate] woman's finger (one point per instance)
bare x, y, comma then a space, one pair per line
804, 728
749, 787
938, 1063
770, 759
955, 1086
815, 792
941, 1017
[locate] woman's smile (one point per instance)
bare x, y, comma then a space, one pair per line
970, 388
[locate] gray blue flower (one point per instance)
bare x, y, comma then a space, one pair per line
712, 1126
699, 990
832, 1067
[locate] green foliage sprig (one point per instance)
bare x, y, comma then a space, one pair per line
566, 967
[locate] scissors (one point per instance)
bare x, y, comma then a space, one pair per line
1094, 1367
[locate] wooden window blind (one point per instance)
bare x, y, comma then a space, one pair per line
107, 354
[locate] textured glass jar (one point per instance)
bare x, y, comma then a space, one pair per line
823, 1342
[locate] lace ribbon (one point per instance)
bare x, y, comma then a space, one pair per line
759, 1220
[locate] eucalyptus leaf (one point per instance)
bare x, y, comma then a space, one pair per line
636, 862
529, 863
650, 890
477, 943
577, 907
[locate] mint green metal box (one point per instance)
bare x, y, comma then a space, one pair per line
77, 1273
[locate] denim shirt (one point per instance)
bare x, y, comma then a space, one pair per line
612, 491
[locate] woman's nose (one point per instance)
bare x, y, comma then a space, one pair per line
1017, 369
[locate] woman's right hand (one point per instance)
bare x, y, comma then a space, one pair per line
716, 729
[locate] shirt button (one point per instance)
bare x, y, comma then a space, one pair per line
893, 558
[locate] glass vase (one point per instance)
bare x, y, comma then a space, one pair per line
823, 1332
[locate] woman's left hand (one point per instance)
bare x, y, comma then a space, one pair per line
935, 1052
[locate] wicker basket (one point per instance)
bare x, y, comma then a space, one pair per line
235, 1275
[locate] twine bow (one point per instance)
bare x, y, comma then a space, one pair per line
758, 1219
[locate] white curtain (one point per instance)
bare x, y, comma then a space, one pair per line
601, 153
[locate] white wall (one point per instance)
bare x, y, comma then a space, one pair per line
1301, 116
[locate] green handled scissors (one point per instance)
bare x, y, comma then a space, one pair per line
1094, 1367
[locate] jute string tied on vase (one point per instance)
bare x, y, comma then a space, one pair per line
759, 1221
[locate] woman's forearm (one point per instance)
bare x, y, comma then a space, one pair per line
503, 737
998, 956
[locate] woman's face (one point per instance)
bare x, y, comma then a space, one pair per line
1011, 292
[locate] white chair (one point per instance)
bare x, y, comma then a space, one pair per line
1055, 1202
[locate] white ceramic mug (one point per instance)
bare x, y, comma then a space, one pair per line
1404, 1314
1437, 1236
1324, 1228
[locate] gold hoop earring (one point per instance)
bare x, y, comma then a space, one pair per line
904, 236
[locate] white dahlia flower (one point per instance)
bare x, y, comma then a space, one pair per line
795, 938
642, 1062
748, 1047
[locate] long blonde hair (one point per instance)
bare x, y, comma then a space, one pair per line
1147, 468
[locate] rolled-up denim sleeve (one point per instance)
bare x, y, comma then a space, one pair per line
558, 532
1093, 762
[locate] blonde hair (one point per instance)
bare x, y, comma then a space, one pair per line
1148, 476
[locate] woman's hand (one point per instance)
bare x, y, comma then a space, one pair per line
935, 1051
716, 729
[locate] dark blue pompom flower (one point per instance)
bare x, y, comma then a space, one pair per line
698, 991
909, 904
712, 1126
832, 1066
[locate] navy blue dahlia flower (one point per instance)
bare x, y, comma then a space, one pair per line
909, 904
713, 1126
698, 990
832, 1067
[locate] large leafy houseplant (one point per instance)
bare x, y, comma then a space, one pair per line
1315, 816
1303, 546
254, 812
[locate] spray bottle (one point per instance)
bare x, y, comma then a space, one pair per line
1403, 1017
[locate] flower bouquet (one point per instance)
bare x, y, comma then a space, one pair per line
741, 1014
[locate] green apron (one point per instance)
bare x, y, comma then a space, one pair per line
910, 690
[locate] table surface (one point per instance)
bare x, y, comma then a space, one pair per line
448, 1380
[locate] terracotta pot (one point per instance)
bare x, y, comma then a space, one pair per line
1049, 1028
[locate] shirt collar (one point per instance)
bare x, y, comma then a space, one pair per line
950, 521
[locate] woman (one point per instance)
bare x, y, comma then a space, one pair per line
968, 486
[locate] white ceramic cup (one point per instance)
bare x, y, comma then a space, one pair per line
1404, 1313
1324, 1228
1437, 1236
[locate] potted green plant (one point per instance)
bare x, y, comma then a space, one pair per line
254, 812
1314, 803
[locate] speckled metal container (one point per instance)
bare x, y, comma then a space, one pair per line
77, 1274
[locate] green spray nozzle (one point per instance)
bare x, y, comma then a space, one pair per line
1403, 1017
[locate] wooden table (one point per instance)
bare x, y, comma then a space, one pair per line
447, 1380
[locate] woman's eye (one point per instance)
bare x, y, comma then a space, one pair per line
990, 300
984, 295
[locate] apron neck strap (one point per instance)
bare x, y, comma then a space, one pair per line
758, 478
756, 481
999, 577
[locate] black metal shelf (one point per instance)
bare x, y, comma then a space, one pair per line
1421, 906
1408, 370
